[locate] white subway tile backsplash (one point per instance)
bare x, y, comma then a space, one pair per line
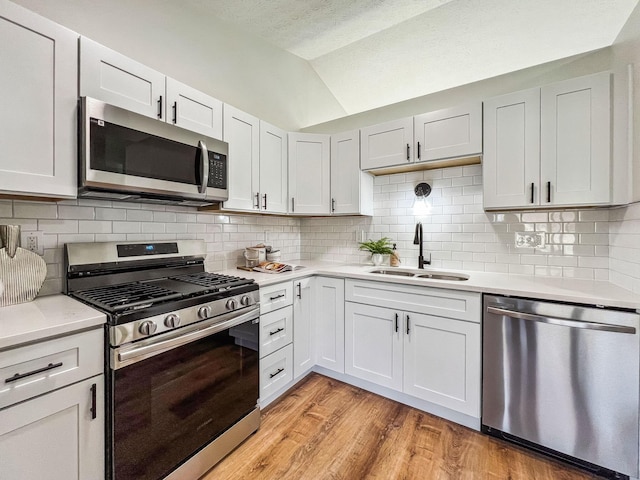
34, 210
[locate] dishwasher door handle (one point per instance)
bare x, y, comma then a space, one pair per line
564, 322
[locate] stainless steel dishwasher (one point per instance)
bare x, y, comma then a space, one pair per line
563, 379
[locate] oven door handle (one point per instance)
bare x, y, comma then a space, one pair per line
127, 355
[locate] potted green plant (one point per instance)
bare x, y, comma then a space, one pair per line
377, 248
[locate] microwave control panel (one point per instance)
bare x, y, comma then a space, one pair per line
217, 170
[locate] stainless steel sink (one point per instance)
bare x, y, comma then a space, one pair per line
420, 274
399, 273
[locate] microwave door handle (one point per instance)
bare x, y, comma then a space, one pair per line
204, 167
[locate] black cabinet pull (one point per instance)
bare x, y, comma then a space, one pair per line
175, 112
407, 324
276, 297
160, 107
293, 204
532, 192
418, 150
408, 155
276, 331
257, 205
333, 204
548, 192
280, 370
265, 200
93, 410
299, 289
396, 323
19, 376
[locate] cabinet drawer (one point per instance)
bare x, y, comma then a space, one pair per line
276, 330
276, 296
412, 298
276, 371
49, 365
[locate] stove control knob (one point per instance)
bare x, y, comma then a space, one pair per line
147, 327
232, 304
204, 312
172, 321
245, 300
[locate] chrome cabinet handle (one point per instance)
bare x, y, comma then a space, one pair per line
280, 370
204, 166
276, 331
19, 376
563, 322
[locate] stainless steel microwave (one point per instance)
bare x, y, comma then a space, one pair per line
130, 157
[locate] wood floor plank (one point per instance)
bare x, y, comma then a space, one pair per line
325, 429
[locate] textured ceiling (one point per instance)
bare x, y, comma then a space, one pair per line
372, 53
313, 28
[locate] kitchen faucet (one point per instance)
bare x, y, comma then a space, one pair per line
417, 240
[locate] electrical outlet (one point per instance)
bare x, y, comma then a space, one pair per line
32, 241
530, 239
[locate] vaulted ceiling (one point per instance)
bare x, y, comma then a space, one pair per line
372, 53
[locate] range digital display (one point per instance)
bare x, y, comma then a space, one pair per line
139, 249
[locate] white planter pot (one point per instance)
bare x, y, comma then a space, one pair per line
377, 258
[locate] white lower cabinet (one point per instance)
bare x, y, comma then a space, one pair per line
329, 323
427, 345
55, 436
276, 372
52, 418
303, 308
276, 330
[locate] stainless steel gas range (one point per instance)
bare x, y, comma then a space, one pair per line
181, 347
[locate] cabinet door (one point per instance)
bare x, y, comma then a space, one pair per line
351, 189
373, 344
303, 358
329, 323
38, 94
442, 362
276, 372
242, 133
386, 144
309, 173
273, 169
191, 109
55, 436
575, 152
510, 164
448, 133
118, 80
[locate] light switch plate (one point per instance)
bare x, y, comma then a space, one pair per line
530, 239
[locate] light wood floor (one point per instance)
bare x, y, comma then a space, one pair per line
325, 429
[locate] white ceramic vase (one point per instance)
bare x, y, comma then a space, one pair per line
377, 258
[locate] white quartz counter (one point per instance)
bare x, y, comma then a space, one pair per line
548, 288
45, 317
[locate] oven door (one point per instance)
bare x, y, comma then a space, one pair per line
126, 152
173, 394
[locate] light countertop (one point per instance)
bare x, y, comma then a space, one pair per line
547, 288
45, 317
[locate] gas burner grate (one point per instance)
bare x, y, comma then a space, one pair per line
213, 281
116, 298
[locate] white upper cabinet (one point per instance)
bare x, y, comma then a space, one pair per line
242, 133
549, 146
511, 172
309, 176
191, 109
273, 169
351, 189
113, 78
386, 144
575, 134
38, 94
452, 132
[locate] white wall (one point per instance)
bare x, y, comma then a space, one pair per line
207, 54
